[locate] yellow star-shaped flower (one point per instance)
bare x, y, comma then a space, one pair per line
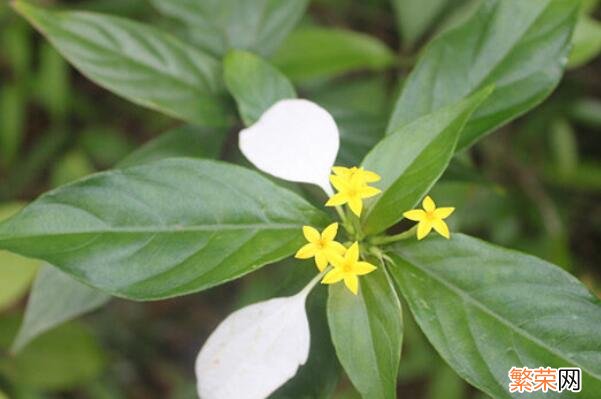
348, 173
352, 189
430, 218
321, 246
347, 268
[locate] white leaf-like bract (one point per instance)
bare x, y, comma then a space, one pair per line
255, 350
295, 140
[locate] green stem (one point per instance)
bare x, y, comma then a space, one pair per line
305, 291
377, 252
382, 240
356, 221
345, 222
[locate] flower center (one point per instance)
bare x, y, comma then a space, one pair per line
347, 267
430, 215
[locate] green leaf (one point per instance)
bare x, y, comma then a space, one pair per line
255, 84
62, 359
367, 332
586, 42
55, 298
185, 141
412, 159
487, 309
520, 46
414, 18
136, 61
16, 272
162, 229
317, 52
220, 25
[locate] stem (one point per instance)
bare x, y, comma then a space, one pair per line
380, 255
327, 188
398, 237
356, 222
305, 291
343, 218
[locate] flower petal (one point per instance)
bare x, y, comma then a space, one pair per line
295, 140
428, 204
339, 183
441, 227
443, 213
255, 350
415, 214
362, 268
356, 205
329, 233
423, 228
368, 192
333, 276
337, 199
341, 171
321, 260
370, 177
336, 259
311, 234
306, 251
337, 247
352, 254
352, 283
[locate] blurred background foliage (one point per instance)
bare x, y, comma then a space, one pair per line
535, 185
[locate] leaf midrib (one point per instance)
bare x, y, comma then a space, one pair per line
164, 229
480, 82
525, 334
372, 352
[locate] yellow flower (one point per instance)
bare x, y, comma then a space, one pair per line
321, 246
430, 217
348, 173
347, 268
352, 188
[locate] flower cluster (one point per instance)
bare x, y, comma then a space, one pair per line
352, 186
298, 141
325, 250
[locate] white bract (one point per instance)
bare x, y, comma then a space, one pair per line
295, 140
256, 349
